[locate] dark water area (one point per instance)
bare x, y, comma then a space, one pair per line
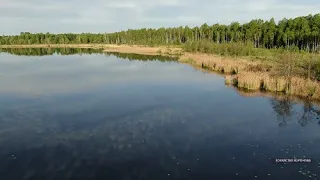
108, 116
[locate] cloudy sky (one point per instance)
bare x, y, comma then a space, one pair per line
113, 15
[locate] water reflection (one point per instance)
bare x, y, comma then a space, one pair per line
49, 51
63, 74
134, 57
159, 142
284, 107
162, 120
310, 112
89, 51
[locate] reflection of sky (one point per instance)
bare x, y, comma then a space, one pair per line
145, 116
63, 74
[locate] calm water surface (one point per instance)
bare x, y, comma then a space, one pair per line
103, 116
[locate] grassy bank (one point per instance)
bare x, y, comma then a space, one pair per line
289, 71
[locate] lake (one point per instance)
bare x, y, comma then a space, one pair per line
81, 114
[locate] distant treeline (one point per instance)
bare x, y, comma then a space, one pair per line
48, 51
301, 32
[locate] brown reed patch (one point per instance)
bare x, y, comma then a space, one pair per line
249, 75
249, 80
274, 83
221, 64
304, 87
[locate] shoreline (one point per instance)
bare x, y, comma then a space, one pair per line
136, 49
239, 72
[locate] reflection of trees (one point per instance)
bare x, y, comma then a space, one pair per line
72, 51
49, 51
283, 107
309, 112
141, 57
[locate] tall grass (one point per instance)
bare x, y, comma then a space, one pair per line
262, 81
278, 70
279, 61
276, 84
249, 81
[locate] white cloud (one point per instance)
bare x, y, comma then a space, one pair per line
115, 15
182, 19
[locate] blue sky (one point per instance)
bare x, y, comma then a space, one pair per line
76, 16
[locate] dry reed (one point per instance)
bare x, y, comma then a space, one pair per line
249, 75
